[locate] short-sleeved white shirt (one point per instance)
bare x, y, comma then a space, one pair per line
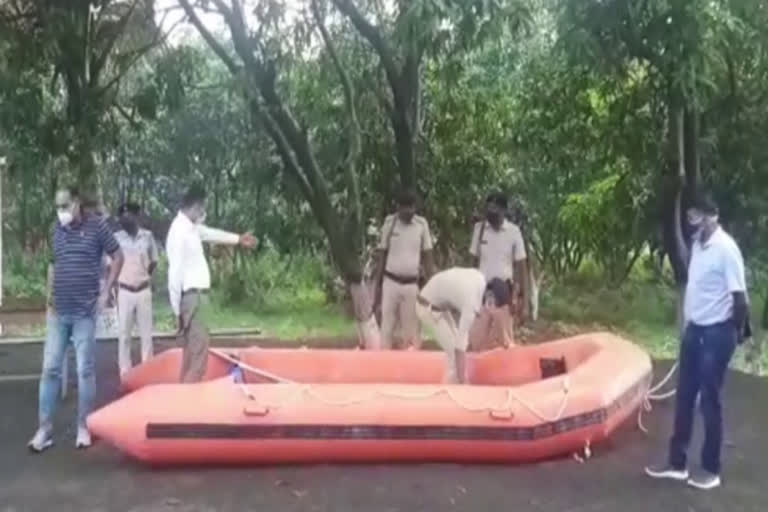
405, 241
498, 249
715, 272
460, 289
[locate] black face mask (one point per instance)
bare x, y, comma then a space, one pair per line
129, 225
493, 217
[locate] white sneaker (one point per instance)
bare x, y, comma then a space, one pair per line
83, 438
667, 471
42, 440
705, 481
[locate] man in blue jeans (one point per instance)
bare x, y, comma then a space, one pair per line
715, 310
75, 298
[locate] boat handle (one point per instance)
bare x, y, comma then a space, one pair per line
501, 414
255, 410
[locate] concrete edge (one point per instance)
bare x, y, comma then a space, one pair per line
254, 331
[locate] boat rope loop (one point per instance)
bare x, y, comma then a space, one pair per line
653, 395
510, 398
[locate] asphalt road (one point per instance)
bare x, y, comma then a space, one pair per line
100, 479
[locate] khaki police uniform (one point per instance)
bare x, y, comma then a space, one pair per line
497, 250
403, 243
453, 293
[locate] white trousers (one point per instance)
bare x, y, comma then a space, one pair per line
398, 309
446, 333
134, 307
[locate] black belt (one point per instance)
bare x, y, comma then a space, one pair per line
195, 291
401, 279
135, 289
424, 302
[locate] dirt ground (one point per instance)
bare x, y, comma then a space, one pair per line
100, 479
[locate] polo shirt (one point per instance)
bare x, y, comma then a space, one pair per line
715, 272
78, 250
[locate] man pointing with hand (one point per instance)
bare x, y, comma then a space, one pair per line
189, 278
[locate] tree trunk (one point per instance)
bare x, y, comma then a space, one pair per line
405, 149
685, 139
367, 328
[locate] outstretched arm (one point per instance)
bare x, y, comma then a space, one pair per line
219, 236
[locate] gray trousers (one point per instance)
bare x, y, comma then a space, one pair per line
194, 337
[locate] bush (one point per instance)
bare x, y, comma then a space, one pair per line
270, 281
24, 275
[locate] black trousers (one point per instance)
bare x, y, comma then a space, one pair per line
704, 356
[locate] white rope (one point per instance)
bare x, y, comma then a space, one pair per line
652, 395
305, 388
237, 362
510, 397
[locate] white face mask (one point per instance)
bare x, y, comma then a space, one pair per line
65, 217
200, 219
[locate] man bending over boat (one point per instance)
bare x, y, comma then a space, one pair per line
448, 305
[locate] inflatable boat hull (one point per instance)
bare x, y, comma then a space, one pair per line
341, 413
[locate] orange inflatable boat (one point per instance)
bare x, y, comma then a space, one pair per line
524, 403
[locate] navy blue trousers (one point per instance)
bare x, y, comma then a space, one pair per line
704, 356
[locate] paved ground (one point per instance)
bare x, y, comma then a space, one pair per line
100, 479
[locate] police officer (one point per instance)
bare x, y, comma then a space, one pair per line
404, 246
498, 251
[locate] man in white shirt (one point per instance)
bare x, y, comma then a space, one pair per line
189, 278
134, 294
715, 311
450, 294
499, 252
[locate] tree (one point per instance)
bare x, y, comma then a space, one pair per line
422, 28
257, 67
679, 43
88, 46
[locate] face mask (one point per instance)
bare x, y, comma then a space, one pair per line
201, 218
65, 217
128, 225
699, 223
493, 217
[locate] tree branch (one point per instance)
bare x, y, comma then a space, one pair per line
136, 55
120, 28
283, 149
217, 48
128, 117
355, 143
373, 35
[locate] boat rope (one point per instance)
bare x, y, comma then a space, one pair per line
510, 398
653, 395
244, 366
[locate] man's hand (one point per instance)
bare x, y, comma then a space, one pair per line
102, 301
754, 351
248, 241
179, 325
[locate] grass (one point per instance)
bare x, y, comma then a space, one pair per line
289, 302
315, 320
641, 310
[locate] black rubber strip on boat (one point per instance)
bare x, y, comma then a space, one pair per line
392, 432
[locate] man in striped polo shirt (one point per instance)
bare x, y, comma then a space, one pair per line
75, 298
